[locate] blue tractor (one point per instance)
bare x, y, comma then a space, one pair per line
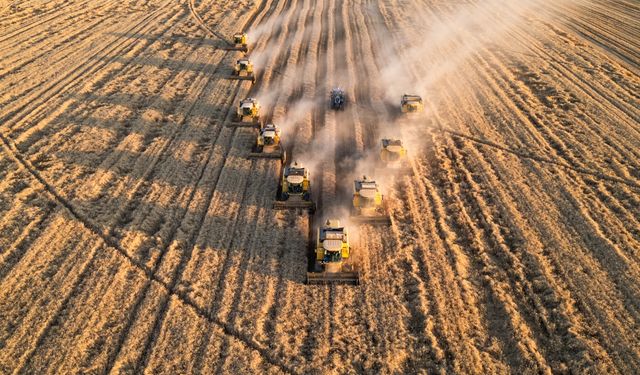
338, 99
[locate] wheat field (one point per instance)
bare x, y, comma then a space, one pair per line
137, 237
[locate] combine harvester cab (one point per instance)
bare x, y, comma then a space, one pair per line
338, 99
393, 157
269, 144
411, 104
369, 206
243, 70
332, 257
294, 191
247, 114
240, 42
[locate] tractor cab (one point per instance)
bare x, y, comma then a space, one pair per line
338, 99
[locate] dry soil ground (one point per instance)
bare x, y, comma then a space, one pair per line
135, 236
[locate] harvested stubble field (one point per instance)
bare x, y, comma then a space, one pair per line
135, 235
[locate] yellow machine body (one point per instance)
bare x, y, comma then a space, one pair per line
393, 152
366, 194
411, 103
240, 39
362, 203
293, 186
269, 137
269, 144
294, 191
369, 206
243, 68
332, 243
332, 263
248, 110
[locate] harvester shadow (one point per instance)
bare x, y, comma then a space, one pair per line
164, 63
208, 139
218, 152
173, 38
54, 194
150, 117
140, 102
170, 171
154, 224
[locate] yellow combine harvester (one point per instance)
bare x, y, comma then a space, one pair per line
369, 206
268, 144
243, 70
294, 190
240, 42
411, 103
332, 255
393, 156
247, 114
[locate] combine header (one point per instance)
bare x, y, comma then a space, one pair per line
294, 191
268, 144
332, 253
369, 206
247, 114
